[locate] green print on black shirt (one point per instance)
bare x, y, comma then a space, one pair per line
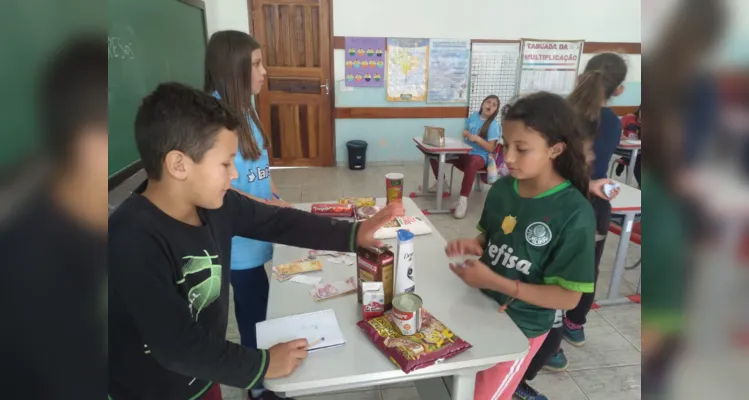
206, 292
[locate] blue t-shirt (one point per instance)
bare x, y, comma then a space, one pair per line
606, 142
254, 179
473, 125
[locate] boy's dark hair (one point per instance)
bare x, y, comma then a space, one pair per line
483, 132
178, 117
602, 76
553, 117
73, 93
228, 66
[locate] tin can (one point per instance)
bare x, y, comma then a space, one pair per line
407, 313
394, 187
404, 267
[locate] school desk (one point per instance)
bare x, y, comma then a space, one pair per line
629, 148
452, 147
627, 205
359, 364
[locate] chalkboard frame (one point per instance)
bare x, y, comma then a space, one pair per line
124, 174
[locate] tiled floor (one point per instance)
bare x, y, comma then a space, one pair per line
606, 367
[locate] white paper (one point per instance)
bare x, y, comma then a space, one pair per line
311, 326
305, 279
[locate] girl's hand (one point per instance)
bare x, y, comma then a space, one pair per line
461, 247
472, 138
465, 133
596, 188
475, 274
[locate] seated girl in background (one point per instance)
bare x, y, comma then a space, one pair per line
482, 132
537, 230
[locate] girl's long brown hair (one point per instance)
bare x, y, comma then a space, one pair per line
228, 65
484, 131
557, 122
602, 76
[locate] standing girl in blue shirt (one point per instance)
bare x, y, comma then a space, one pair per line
234, 73
482, 133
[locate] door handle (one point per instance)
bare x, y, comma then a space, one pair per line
326, 86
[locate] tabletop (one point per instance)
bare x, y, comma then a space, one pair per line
628, 200
452, 146
465, 310
630, 144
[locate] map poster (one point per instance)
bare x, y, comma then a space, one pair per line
407, 64
449, 64
365, 61
549, 66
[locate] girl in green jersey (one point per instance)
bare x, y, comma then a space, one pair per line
537, 230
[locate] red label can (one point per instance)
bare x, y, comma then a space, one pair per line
407, 313
394, 187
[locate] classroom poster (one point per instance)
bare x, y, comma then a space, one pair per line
365, 61
407, 65
549, 65
449, 63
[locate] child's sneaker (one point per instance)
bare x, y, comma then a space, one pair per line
558, 362
573, 333
525, 392
461, 207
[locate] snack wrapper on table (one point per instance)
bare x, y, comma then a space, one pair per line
366, 212
358, 201
333, 210
435, 342
413, 224
285, 272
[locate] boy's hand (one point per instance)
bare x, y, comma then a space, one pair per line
461, 247
285, 358
365, 236
475, 274
279, 203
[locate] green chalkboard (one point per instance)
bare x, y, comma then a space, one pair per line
30, 33
150, 42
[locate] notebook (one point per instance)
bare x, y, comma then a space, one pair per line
320, 328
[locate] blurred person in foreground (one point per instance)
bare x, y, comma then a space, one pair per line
681, 106
52, 340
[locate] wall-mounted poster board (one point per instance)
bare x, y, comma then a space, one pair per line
407, 64
549, 65
494, 70
449, 63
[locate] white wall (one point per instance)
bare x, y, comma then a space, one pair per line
222, 15
592, 20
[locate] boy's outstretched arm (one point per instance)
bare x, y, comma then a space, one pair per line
298, 228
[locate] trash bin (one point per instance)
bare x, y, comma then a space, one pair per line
357, 154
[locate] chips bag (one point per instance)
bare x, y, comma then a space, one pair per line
435, 342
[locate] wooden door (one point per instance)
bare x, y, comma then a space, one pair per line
296, 103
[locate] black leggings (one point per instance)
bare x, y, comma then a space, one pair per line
548, 348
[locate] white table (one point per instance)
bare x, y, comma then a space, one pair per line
628, 205
466, 311
452, 147
633, 148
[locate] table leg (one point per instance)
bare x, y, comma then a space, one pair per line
440, 182
463, 386
619, 263
425, 177
631, 168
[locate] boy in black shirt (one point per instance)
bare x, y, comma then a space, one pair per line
169, 254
